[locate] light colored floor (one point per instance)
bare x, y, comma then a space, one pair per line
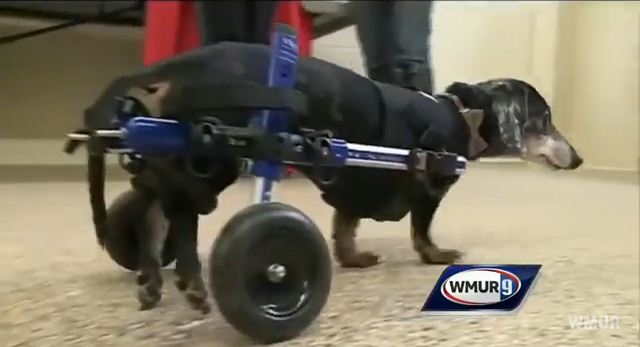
58, 289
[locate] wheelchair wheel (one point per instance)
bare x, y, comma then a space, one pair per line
270, 272
121, 242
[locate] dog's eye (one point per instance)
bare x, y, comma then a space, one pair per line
151, 89
546, 120
542, 123
535, 125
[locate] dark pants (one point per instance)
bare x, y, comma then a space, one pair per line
236, 20
394, 38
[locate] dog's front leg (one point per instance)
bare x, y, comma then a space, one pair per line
421, 217
152, 232
184, 229
345, 249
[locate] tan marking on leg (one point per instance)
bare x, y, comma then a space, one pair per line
152, 101
345, 248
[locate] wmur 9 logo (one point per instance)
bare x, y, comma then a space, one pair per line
481, 289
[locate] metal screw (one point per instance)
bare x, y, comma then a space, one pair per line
276, 272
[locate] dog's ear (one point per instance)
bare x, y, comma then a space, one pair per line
471, 96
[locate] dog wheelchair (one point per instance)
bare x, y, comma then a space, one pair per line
262, 288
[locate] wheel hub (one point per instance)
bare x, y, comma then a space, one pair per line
279, 274
276, 272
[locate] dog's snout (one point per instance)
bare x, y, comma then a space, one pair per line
576, 162
576, 159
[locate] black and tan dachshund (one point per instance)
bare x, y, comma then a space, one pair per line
501, 117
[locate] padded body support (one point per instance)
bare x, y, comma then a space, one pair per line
353, 107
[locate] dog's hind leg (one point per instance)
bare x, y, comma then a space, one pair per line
152, 233
345, 248
184, 229
421, 217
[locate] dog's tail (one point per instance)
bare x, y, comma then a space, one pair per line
96, 179
100, 115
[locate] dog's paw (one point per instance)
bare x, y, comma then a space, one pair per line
198, 301
360, 260
148, 297
181, 285
196, 294
435, 255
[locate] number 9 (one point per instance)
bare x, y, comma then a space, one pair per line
507, 287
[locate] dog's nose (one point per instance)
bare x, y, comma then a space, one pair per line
577, 161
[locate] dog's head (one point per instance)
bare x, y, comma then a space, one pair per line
517, 122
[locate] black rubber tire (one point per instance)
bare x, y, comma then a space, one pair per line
121, 242
272, 232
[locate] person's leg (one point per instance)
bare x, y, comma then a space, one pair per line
374, 30
222, 20
412, 28
261, 19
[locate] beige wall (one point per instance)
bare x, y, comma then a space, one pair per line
597, 81
582, 56
48, 80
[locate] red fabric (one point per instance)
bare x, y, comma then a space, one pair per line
172, 28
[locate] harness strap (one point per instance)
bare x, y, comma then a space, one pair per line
473, 118
239, 96
160, 99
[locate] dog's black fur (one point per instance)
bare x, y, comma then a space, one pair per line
517, 121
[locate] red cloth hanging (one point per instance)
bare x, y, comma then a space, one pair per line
171, 27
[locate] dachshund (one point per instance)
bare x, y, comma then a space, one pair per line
497, 117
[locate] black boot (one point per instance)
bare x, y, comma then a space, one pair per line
413, 76
383, 74
410, 76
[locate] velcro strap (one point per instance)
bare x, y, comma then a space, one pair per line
240, 96
440, 163
445, 164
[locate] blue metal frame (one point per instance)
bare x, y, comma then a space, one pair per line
282, 74
159, 136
